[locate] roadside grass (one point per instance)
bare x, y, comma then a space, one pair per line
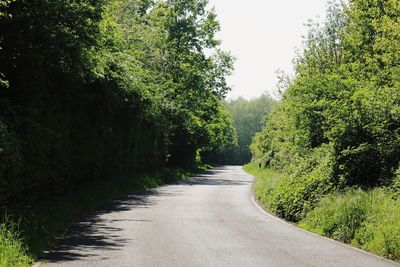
12, 250
265, 184
288, 196
368, 219
41, 222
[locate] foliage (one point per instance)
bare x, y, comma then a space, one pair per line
367, 219
295, 197
337, 127
10, 160
95, 91
103, 89
287, 195
248, 117
345, 95
396, 184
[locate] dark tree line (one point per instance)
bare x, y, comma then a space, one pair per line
101, 89
248, 118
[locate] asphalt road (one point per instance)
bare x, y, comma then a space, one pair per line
209, 220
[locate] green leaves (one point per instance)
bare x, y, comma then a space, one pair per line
101, 89
345, 94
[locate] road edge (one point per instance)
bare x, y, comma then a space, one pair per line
263, 210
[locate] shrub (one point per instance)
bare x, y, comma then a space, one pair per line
292, 196
309, 181
296, 196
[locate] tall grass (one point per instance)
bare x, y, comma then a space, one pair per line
13, 252
265, 184
366, 219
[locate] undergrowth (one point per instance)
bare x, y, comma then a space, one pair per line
288, 196
368, 219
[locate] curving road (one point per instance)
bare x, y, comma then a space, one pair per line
209, 220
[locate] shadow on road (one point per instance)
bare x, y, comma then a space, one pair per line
212, 177
206, 179
94, 234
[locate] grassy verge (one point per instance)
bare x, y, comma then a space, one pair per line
265, 184
368, 219
12, 250
41, 222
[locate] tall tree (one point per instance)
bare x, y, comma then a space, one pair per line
101, 89
344, 99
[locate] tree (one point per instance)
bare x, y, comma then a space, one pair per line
344, 99
102, 89
248, 118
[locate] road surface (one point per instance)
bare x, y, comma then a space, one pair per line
209, 220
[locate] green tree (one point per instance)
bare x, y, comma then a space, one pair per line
101, 89
343, 103
248, 117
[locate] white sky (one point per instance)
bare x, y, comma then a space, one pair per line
263, 36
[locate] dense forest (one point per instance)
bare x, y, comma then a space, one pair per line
337, 128
248, 117
95, 90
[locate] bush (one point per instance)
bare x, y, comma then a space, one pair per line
396, 184
296, 196
292, 196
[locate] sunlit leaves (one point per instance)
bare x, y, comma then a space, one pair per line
345, 93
